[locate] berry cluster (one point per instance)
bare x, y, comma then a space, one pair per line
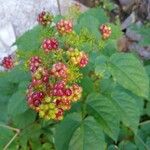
77, 57
64, 26
44, 18
51, 98
54, 87
8, 62
50, 44
105, 31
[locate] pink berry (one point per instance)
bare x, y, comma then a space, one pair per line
50, 44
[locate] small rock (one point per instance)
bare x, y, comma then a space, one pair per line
133, 36
131, 19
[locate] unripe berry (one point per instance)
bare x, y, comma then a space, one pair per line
105, 31
8, 62
59, 114
50, 44
64, 26
44, 18
59, 70
78, 58
77, 93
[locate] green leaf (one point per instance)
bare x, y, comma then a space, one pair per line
128, 71
91, 23
87, 84
129, 109
79, 135
127, 145
88, 136
105, 113
24, 119
17, 104
31, 40
67, 127
116, 31
110, 48
17, 75
101, 66
5, 136
96, 13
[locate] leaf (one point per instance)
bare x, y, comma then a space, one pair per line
91, 23
67, 127
30, 40
87, 84
88, 136
32, 132
110, 48
17, 75
129, 109
79, 135
116, 31
96, 13
5, 136
17, 103
127, 145
105, 113
24, 119
128, 71
101, 66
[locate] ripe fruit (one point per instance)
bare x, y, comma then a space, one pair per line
34, 100
44, 18
34, 63
64, 26
8, 62
50, 44
105, 31
59, 70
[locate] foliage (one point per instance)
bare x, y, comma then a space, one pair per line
113, 111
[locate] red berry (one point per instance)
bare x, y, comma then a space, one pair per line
8, 62
35, 99
105, 31
50, 44
34, 63
60, 85
68, 92
45, 78
64, 26
58, 92
44, 18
